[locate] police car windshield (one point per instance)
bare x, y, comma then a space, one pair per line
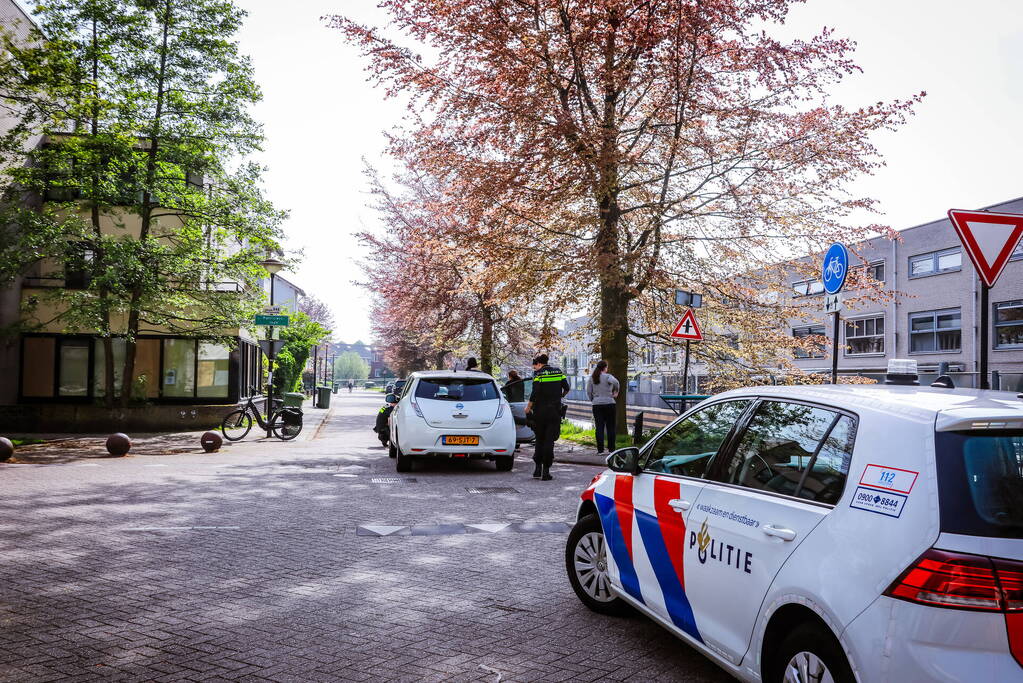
457, 389
980, 480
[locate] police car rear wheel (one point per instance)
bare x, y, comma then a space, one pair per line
809, 654
586, 562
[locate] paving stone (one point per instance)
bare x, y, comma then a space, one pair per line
297, 592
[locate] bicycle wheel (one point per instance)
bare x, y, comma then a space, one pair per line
236, 425
284, 432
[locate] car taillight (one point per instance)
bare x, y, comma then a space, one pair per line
945, 579
500, 410
415, 407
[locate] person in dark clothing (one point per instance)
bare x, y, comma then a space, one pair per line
515, 388
549, 386
472, 365
382, 427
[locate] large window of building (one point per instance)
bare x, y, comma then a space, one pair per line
179, 368
1009, 324
932, 263
807, 287
53, 366
99, 372
816, 350
864, 336
73, 367
251, 358
214, 371
934, 331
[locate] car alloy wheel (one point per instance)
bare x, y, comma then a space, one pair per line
806, 667
591, 567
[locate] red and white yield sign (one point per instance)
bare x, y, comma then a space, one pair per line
688, 328
989, 238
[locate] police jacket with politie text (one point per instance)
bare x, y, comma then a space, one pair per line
549, 385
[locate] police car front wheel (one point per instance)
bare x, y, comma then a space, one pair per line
586, 562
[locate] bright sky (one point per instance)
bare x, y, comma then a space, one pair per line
961, 150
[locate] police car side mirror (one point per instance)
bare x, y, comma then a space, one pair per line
390, 398
624, 460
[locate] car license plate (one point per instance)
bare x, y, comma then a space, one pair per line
461, 441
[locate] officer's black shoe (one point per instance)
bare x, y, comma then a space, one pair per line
546, 476
536, 471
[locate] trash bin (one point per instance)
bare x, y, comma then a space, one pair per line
323, 397
293, 399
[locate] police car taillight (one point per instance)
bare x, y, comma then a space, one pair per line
415, 407
972, 582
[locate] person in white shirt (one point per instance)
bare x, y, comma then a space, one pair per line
603, 388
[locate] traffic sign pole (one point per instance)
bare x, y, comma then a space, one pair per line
984, 312
834, 350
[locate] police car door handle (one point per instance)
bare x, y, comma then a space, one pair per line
779, 532
679, 505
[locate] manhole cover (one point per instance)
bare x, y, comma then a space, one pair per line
392, 480
491, 489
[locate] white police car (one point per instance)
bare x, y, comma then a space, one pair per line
821, 533
452, 414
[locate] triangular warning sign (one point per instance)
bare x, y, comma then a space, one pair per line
688, 328
989, 238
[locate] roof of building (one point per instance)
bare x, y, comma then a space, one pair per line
299, 290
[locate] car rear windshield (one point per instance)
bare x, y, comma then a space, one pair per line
980, 482
457, 389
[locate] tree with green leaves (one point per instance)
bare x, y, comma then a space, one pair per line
301, 335
127, 170
350, 365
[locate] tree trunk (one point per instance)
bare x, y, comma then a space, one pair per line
440, 358
131, 344
487, 340
99, 258
614, 342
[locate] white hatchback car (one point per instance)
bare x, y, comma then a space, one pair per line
452, 414
827, 533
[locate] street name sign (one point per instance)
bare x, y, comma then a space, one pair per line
688, 328
272, 310
835, 268
833, 303
989, 238
272, 320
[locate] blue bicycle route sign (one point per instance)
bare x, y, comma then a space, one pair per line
835, 268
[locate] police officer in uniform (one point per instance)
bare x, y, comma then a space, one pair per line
544, 407
383, 425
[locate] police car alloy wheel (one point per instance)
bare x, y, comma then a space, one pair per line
586, 561
806, 667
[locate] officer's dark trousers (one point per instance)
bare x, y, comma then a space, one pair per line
547, 427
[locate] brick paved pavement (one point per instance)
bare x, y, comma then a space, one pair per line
256, 571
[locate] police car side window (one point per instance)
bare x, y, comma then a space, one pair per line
688, 447
793, 449
826, 479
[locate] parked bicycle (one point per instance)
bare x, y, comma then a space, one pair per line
284, 423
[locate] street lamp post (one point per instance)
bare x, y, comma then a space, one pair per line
272, 266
